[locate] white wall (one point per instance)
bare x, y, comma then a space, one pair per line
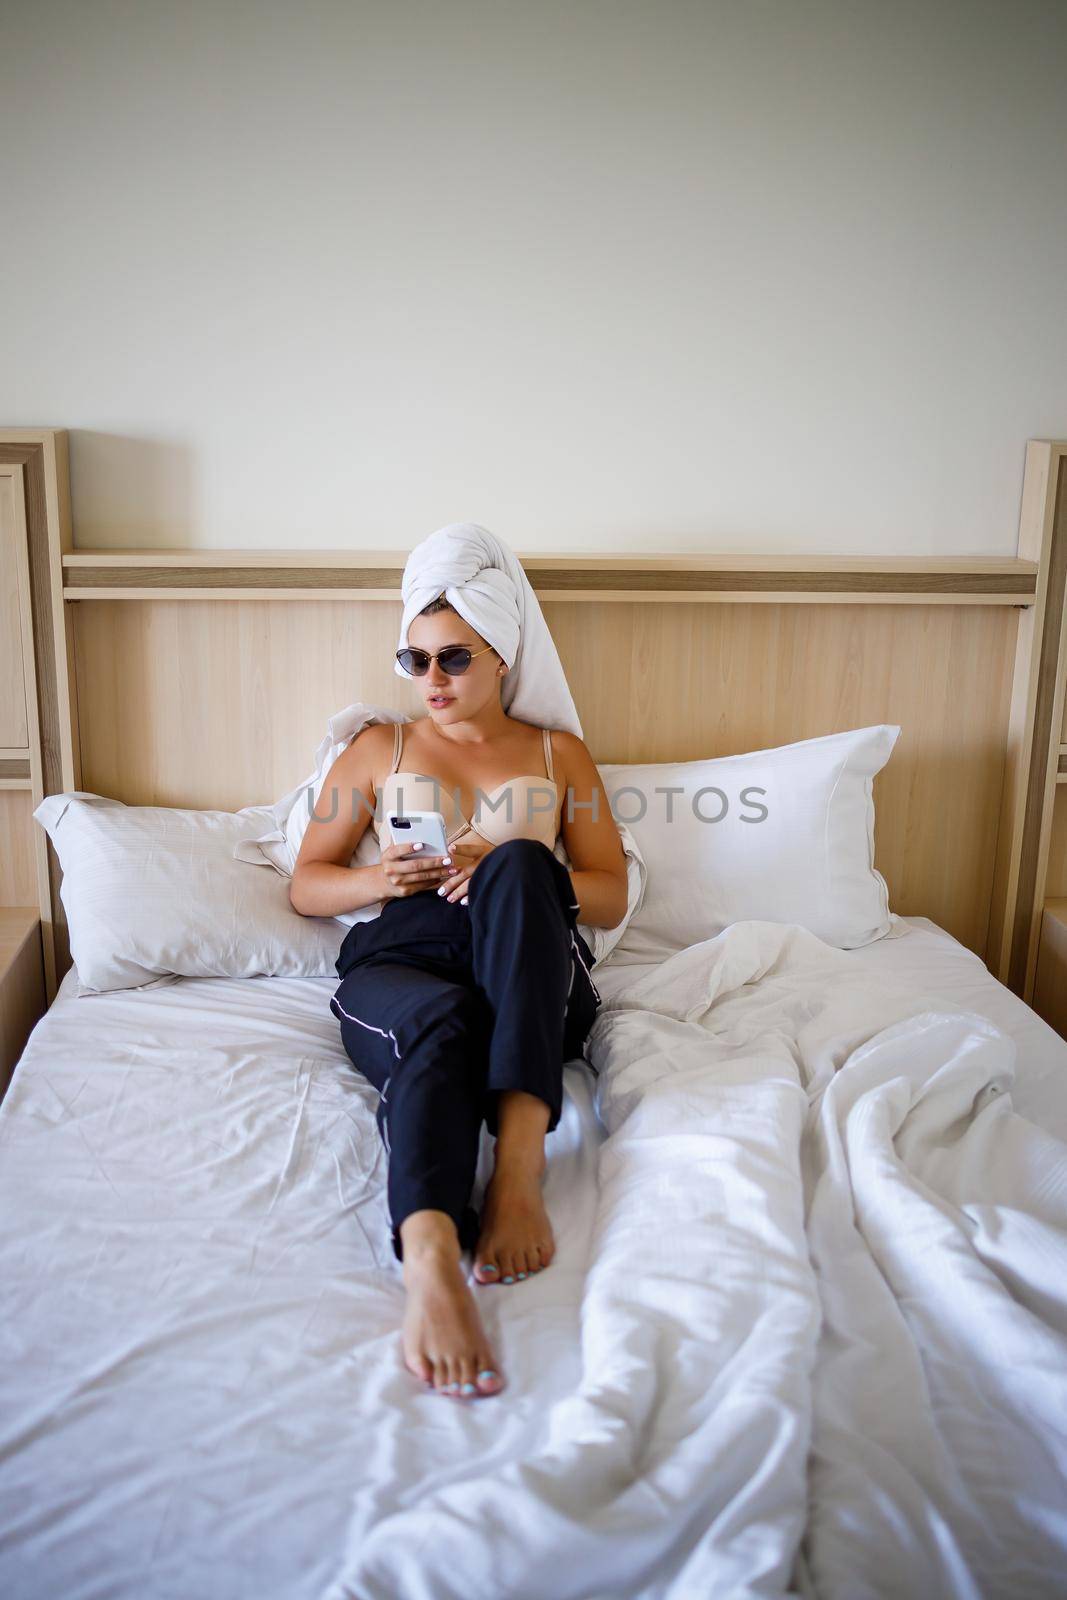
598, 274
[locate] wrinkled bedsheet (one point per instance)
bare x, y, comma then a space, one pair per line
805, 1332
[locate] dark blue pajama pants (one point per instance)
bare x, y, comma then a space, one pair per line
442, 1006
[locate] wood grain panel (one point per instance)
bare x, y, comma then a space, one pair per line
18, 863
22, 989
1050, 984
1056, 881
221, 704
14, 726
1001, 587
1046, 701
51, 690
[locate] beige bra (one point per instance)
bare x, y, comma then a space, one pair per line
509, 811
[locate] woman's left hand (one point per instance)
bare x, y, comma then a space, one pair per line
465, 857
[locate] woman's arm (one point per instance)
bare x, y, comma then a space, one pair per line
323, 884
591, 839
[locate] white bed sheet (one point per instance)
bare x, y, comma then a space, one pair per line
202, 1390
922, 954
936, 1228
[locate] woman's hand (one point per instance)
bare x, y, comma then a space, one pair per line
407, 870
465, 857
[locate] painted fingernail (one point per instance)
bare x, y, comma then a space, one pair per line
416, 847
446, 859
443, 889
463, 902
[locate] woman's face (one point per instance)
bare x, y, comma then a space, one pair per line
454, 699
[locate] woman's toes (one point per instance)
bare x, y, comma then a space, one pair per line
514, 1267
421, 1368
488, 1379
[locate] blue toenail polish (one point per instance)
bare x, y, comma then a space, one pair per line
489, 1268
470, 1388
488, 1373
509, 1280
522, 1275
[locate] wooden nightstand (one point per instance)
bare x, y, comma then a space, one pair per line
1050, 985
22, 991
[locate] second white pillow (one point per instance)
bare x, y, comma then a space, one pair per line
782, 835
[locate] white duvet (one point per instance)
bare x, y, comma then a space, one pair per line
937, 1230
805, 1332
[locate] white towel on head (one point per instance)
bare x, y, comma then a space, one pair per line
484, 582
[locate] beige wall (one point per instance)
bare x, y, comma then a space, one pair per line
785, 275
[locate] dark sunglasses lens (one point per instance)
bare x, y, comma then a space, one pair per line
455, 660
417, 662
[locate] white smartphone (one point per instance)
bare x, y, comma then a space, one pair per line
420, 827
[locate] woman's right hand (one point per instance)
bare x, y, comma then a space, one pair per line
407, 869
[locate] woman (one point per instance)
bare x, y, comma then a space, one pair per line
463, 999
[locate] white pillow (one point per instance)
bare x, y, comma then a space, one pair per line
280, 846
787, 836
154, 892
289, 816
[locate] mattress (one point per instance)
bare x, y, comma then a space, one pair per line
202, 1389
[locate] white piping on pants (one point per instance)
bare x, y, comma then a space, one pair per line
385, 1033
385, 1113
585, 969
396, 1051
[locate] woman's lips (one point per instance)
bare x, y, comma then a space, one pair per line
440, 699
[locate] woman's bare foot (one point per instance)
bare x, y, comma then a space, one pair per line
444, 1342
516, 1238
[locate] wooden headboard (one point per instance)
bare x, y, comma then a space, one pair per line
205, 678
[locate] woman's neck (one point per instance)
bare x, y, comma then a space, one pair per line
487, 726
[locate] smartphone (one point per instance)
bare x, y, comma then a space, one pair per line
420, 827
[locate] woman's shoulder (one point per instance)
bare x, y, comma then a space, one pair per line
370, 751
559, 737
570, 758
567, 744
377, 733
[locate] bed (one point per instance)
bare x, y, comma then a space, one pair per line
805, 1332
202, 1386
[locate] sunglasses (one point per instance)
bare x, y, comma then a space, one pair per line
454, 660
